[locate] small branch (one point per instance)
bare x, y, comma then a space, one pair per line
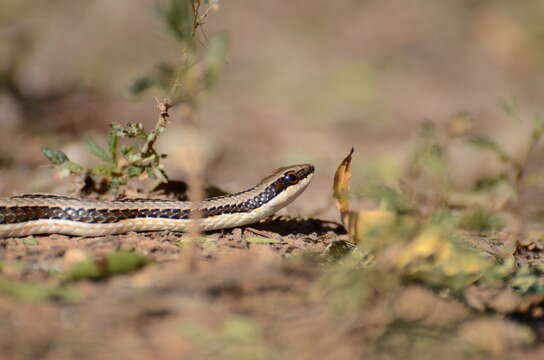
535, 138
160, 126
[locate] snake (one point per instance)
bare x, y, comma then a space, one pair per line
30, 214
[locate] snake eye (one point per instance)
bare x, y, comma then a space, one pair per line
291, 177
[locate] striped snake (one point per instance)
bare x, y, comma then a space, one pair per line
53, 214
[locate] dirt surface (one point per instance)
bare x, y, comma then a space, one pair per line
280, 236
224, 275
226, 295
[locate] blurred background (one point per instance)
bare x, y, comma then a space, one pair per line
304, 81
440, 99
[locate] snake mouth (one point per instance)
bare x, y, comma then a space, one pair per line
287, 193
307, 170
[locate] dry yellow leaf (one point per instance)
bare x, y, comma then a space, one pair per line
341, 188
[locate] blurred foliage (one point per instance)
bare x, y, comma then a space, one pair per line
438, 259
428, 174
431, 244
181, 83
195, 72
237, 338
480, 220
31, 292
525, 279
261, 240
30, 241
113, 263
429, 235
515, 173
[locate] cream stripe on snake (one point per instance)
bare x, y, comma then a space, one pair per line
47, 214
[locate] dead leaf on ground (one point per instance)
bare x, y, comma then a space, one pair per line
341, 188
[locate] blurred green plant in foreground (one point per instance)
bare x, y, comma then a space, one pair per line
196, 71
427, 262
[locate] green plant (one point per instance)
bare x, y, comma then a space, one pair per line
121, 163
195, 71
181, 83
515, 173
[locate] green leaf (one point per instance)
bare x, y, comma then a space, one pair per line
123, 261
26, 291
73, 168
178, 17
529, 280
262, 240
31, 241
443, 218
117, 262
133, 156
510, 107
132, 130
126, 149
538, 124
134, 171
129, 130
57, 157
151, 173
164, 76
161, 174
119, 129
388, 197
113, 142
142, 84
216, 52
104, 170
116, 183
338, 249
487, 183
99, 152
483, 142
215, 58
486, 143
481, 220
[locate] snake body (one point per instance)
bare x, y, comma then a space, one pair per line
29, 214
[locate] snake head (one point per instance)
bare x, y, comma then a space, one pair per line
286, 184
